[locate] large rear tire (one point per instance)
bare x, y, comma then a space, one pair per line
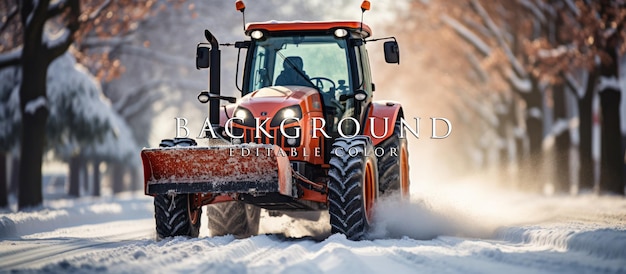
393, 164
236, 218
353, 186
177, 215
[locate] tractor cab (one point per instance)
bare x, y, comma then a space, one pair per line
329, 57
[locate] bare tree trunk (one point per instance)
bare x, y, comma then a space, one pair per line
15, 171
117, 178
37, 55
96, 178
534, 129
74, 180
4, 191
33, 88
84, 176
586, 171
33, 94
135, 182
624, 164
562, 141
612, 160
519, 140
535, 157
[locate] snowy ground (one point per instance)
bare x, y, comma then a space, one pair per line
456, 228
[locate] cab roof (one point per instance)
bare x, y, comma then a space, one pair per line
276, 26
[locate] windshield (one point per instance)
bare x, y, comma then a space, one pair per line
301, 61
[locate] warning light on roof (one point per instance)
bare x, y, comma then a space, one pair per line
365, 5
240, 6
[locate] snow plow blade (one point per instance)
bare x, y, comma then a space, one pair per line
249, 168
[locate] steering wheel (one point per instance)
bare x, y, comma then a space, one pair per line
319, 82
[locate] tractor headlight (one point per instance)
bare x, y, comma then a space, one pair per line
292, 141
257, 34
245, 117
289, 113
241, 114
292, 113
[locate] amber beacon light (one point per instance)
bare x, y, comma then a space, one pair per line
240, 6
365, 5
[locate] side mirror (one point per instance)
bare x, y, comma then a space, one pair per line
392, 52
203, 56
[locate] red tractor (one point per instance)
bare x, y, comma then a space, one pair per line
305, 135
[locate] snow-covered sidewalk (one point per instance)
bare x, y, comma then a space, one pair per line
62, 213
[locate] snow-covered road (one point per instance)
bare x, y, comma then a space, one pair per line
454, 229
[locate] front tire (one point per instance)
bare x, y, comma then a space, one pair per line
353, 186
393, 164
177, 215
236, 218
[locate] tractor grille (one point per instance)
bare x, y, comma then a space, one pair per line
279, 140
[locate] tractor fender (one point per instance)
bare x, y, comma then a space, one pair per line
379, 111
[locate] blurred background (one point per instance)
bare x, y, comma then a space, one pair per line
532, 87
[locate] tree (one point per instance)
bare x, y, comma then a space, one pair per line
496, 35
81, 125
35, 53
537, 48
590, 36
8, 125
613, 15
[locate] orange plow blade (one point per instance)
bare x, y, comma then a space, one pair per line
248, 168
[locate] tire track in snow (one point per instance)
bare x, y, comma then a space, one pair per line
50, 250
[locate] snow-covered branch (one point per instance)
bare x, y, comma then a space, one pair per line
93, 42
96, 12
555, 52
58, 45
476, 26
573, 84
610, 82
534, 9
559, 127
11, 58
548, 9
486, 18
154, 55
477, 67
143, 102
467, 34
56, 9
534, 112
30, 10
33, 105
520, 85
479, 108
572, 6
519, 69
8, 19
129, 97
133, 95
